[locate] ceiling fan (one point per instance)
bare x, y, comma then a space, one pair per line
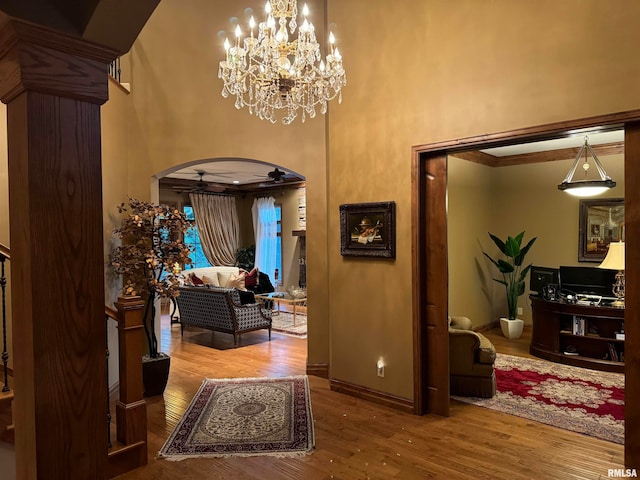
277, 175
200, 186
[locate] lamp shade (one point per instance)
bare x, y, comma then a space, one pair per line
615, 257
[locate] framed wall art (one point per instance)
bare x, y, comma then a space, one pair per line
601, 222
368, 229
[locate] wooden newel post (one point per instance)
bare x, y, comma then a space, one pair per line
131, 408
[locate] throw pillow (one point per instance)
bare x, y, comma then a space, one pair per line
230, 280
246, 297
196, 280
211, 280
251, 278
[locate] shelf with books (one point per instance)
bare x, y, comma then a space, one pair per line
586, 336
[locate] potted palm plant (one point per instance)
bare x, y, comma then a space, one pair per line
150, 249
513, 276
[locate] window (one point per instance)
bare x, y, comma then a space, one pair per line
192, 239
279, 242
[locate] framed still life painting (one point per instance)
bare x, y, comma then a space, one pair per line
368, 229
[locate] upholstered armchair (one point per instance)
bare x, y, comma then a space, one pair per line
471, 358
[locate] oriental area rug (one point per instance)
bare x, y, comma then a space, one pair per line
245, 417
577, 399
282, 322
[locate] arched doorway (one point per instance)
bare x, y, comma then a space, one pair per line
248, 180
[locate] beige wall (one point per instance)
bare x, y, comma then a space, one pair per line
436, 71
528, 199
506, 201
115, 116
418, 72
470, 214
179, 116
4, 223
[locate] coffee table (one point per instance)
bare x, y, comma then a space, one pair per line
281, 297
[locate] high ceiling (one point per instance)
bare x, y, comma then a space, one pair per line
112, 23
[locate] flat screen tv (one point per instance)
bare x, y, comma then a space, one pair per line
539, 277
588, 280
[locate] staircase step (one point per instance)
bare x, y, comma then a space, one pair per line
6, 396
8, 435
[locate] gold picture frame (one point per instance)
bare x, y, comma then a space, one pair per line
601, 222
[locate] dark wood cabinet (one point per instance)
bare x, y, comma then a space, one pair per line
581, 335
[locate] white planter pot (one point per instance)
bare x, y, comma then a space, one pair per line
511, 328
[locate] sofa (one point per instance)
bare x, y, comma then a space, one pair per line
471, 360
224, 276
213, 274
221, 310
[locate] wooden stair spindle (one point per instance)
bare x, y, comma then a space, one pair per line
109, 444
4, 255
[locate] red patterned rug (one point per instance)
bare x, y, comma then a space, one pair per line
572, 398
245, 417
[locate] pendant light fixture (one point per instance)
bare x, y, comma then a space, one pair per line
586, 187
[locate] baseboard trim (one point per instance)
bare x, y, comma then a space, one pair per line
492, 325
487, 326
318, 370
371, 395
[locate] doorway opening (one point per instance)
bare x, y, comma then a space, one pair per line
430, 298
279, 263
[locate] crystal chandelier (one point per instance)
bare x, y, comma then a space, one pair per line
269, 73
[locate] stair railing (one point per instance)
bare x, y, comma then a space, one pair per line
114, 70
5, 254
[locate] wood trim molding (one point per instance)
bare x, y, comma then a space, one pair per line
554, 155
489, 160
31, 56
318, 370
420, 406
14, 30
477, 156
537, 132
370, 395
632, 300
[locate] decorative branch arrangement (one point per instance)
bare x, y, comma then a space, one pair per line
151, 249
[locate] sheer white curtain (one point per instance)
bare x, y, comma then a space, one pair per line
218, 226
265, 228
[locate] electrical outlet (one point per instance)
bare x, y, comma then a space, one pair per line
519, 310
380, 368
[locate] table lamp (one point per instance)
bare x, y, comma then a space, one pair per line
615, 261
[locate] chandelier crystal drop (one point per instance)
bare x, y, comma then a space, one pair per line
274, 77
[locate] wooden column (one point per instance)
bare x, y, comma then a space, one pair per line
131, 409
53, 86
632, 300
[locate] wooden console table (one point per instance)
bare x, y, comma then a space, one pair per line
580, 335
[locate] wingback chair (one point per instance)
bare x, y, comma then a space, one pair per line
471, 358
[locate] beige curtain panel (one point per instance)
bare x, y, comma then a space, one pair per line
217, 221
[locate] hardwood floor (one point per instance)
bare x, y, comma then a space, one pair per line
360, 440
518, 347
